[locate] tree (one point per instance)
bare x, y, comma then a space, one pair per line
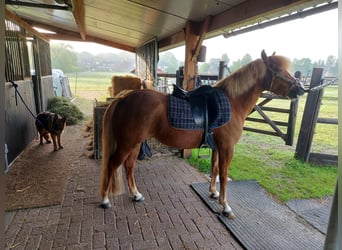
203, 69
168, 62
214, 66
63, 57
235, 65
225, 58
85, 61
246, 59
303, 65
331, 66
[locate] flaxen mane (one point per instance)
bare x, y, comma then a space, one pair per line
249, 74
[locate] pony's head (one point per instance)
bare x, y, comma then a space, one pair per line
268, 73
277, 79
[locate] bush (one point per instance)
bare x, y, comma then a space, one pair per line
65, 107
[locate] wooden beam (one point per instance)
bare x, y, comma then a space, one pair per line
249, 10
62, 34
13, 17
236, 16
78, 12
190, 67
76, 38
203, 32
170, 41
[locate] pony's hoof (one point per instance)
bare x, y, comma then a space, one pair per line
215, 195
138, 197
230, 215
106, 205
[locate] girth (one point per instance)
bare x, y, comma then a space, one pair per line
204, 109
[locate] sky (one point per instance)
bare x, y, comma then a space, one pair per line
314, 37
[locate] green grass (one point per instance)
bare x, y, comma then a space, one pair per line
275, 169
260, 157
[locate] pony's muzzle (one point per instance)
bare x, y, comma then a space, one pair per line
296, 90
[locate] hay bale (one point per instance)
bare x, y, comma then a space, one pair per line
126, 82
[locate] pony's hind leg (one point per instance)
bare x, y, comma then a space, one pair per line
129, 164
111, 181
214, 173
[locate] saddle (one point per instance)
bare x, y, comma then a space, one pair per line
204, 108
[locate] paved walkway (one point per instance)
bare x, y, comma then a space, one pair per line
171, 217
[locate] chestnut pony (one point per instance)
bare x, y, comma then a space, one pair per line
142, 114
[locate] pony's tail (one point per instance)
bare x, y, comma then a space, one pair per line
114, 183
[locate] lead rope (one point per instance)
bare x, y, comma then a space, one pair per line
17, 93
322, 85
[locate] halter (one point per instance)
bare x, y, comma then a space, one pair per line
282, 77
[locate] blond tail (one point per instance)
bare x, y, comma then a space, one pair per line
114, 183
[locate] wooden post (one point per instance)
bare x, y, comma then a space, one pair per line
193, 43
190, 65
291, 122
311, 110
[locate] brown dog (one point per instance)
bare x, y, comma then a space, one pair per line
50, 123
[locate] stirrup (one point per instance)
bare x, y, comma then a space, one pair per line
203, 156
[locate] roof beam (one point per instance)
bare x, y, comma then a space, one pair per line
62, 34
248, 10
13, 17
78, 12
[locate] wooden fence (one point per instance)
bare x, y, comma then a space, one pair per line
309, 121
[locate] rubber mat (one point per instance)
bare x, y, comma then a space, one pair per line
261, 222
313, 211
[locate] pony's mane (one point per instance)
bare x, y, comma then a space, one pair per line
247, 76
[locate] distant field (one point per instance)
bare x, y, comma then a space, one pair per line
90, 85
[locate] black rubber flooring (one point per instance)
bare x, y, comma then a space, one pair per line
261, 222
315, 212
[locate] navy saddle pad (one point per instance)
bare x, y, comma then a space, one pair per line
180, 114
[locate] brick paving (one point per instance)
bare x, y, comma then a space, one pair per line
171, 217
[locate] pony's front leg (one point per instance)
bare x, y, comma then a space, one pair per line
129, 164
224, 162
214, 172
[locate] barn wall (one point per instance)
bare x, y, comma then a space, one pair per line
30, 68
19, 124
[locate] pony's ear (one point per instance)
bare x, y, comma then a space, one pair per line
273, 53
264, 56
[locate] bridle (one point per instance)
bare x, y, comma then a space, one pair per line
282, 77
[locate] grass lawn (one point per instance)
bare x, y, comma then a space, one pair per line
261, 157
